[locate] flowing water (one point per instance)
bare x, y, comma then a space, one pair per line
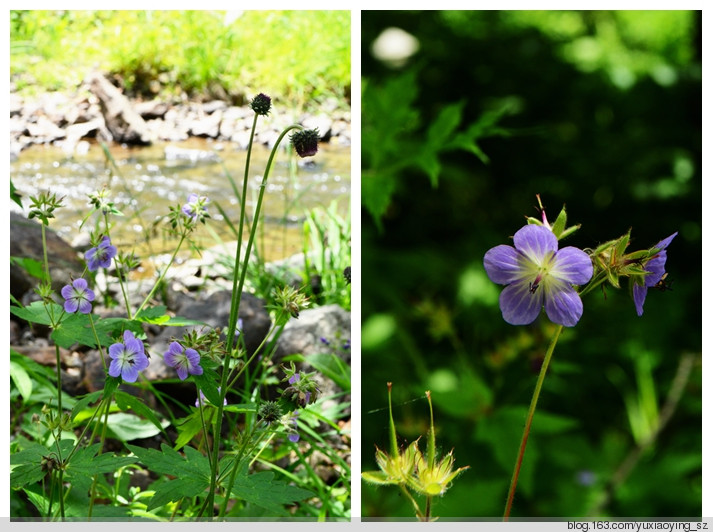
146, 181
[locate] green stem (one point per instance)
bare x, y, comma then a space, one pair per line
234, 313
163, 274
528, 422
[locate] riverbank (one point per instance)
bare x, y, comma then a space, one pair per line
72, 120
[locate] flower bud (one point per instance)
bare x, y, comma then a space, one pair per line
261, 104
305, 142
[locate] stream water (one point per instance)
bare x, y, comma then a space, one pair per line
148, 180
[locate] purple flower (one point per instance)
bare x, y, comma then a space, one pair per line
294, 436
536, 272
195, 207
77, 296
128, 359
184, 362
656, 268
100, 256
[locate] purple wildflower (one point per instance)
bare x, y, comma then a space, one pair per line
101, 255
128, 358
655, 267
77, 296
535, 262
195, 208
293, 435
184, 362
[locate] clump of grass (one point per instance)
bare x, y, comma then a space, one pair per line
299, 56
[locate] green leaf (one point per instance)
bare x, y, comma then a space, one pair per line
85, 464
27, 465
33, 267
14, 195
82, 403
192, 473
330, 365
36, 312
158, 316
208, 383
127, 427
261, 489
126, 401
445, 123
22, 380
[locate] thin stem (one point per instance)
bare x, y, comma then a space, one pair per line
163, 274
528, 422
235, 312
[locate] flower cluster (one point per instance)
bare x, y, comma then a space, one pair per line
538, 273
426, 475
302, 389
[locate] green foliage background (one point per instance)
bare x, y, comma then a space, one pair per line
298, 56
600, 111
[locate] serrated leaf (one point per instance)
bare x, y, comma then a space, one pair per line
261, 489
175, 489
85, 464
192, 472
170, 462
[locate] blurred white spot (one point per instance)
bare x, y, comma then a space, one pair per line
394, 46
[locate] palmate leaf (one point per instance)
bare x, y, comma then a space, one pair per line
261, 489
85, 464
192, 473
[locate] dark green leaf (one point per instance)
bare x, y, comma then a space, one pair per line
263, 490
126, 401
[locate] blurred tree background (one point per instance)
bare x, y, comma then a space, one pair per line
466, 116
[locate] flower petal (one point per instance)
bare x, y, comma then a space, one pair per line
67, 291
502, 264
563, 304
519, 305
130, 373
665, 242
71, 305
535, 241
85, 307
639, 298
80, 284
573, 266
115, 367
